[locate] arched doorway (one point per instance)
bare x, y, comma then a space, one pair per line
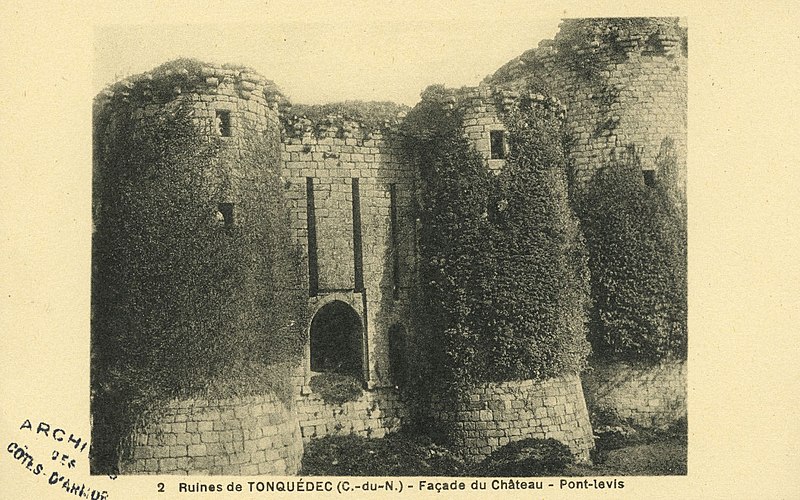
336, 340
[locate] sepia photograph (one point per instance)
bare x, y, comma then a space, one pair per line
413, 249
489, 281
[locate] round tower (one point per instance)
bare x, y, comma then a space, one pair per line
624, 83
196, 303
235, 105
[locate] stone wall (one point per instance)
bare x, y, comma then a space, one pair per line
629, 91
374, 414
250, 100
651, 396
495, 414
253, 112
640, 100
636, 95
247, 436
481, 117
334, 153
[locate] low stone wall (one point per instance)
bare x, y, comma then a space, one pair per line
649, 396
247, 436
495, 414
374, 414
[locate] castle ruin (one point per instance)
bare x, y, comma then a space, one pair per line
350, 196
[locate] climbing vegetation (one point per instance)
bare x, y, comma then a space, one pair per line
185, 303
636, 235
504, 283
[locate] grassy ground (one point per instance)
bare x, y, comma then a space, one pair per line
398, 454
639, 453
662, 458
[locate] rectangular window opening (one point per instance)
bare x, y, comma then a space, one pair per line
649, 177
497, 139
225, 214
224, 123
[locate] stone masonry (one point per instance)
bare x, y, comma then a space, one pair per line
494, 414
248, 436
374, 414
629, 92
332, 155
650, 396
351, 202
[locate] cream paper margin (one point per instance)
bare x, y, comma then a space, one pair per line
743, 194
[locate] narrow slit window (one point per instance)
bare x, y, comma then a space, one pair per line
225, 214
394, 241
224, 123
649, 177
398, 347
497, 138
358, 258
311, 234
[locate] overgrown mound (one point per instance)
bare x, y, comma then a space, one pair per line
526, 458
615, 437
398, 454
336, 388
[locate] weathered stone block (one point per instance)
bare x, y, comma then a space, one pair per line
196, 450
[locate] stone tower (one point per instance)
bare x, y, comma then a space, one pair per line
350, 199
623, 82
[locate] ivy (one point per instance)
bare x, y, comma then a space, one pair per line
504, 286
179, 77
182, 305
580, 42
369, 116
636, 237
336, 388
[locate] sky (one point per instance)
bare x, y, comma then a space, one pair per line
329, 60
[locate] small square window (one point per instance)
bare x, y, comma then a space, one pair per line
497, 139
224, 123
649, 177
225, 214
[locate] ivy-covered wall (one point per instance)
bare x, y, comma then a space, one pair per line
622, 80
196, 285
503, 289
227, 218
636, 235
503, 286
624, 84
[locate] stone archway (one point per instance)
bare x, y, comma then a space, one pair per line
337, 340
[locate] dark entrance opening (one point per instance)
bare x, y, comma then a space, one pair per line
497, 143
398, 347
336, 337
